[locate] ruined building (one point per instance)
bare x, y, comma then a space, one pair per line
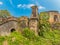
54, 17
9, 23
33, 22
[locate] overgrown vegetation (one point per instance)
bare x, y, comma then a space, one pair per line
28, 38
46, 36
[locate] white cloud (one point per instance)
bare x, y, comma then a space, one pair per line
41, 7
19, 5
29, 6
1, 3
24, 5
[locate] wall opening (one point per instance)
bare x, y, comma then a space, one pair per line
12, 30
55, 18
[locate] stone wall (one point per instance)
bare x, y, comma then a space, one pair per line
23, 21
8, 27
54, 17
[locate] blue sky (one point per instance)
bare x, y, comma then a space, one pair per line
19, 8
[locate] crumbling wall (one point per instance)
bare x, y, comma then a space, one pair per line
5, 28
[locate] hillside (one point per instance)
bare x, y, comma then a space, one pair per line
29, 38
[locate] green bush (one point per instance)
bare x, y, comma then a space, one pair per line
29, 34
50, 38
1, 40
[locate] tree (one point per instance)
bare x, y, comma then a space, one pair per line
43, 23
4, 13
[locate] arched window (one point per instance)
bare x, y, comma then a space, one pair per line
55, 18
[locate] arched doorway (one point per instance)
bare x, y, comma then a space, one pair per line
12, 30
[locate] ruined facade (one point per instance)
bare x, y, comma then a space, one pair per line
54, 17
9, 23
31, 22
23, 22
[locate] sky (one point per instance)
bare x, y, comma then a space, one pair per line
19, 8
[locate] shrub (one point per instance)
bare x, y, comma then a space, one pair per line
28, 33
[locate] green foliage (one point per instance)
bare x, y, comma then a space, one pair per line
29, 34
4, 13
15, 38
1, 40
43, 17
53, 36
